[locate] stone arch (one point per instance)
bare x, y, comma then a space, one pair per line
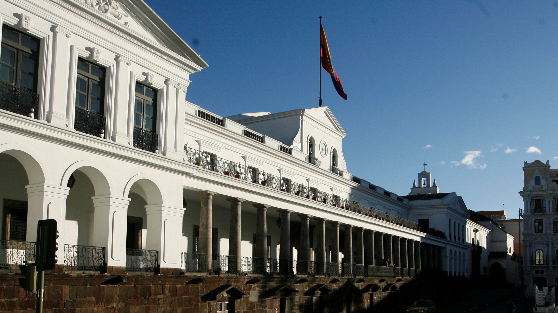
30, 160
97, 174
152, 192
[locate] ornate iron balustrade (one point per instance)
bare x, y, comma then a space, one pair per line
19, 100
337, 171
83, 258
146, 140
141, 260
194, 262
273, 266
14, 253
254, 136
212, 162
89, 122
358, 270
247, 265
313, 160
347, 270
211, 118
220, 263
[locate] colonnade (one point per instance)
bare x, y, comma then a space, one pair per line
364, 250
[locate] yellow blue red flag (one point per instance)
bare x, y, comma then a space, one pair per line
326, 64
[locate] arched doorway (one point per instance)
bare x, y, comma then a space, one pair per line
497, 273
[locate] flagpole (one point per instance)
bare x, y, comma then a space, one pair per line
320, 103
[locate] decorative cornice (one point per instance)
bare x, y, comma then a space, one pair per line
123, 59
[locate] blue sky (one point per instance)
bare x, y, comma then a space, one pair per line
468, 86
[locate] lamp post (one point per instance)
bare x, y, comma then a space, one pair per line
520, 215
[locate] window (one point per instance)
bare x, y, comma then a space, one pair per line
223, 307
90, 95
311, 150
539, 257
15, 220
334, 158
538, 226
537, 180
18, 72
424, 224
555, 226
538, 205
145, 117
133, 233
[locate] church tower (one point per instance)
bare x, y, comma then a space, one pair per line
425, 185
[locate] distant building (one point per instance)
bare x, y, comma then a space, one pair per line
540, 230
495, 215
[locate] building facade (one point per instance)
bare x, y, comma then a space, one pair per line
540, 234
96, 133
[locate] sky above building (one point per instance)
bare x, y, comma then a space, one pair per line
468, 86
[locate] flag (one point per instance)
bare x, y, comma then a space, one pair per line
326, 64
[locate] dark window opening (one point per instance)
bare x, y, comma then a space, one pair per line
538, 226
145, 118
134, 232
15, 220
90, 98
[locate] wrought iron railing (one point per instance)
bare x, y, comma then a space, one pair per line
285, 149
347, 270
19, 100
313, 160
145, 140
14, 253
220, 263
212, 162
89, 122
247, 265
83, 258
273, 266
194, 262
141, 260
358, 270
336, 170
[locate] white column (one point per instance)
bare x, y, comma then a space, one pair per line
110, 228
60, 66
164, 227
179, 123
169, 118
47, 202
121, 98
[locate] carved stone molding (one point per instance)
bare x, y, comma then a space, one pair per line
62, 30
25, 21
123, 59
95, 54
149, 78
170, 82
109, 7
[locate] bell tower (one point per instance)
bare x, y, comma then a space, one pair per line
425, 184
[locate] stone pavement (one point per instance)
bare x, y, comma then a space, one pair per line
489, 301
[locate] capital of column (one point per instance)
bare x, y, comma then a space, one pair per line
284, 211
304, 216
233, 200
206, 194
48, 190
348, 226
159, 209
261, 207
321, 219
116, 202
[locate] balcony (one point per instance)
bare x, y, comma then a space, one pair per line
84, 258
146, 140
14, 253
337, 171
141, 260
212, 162
19, 100
313, 160
89, 122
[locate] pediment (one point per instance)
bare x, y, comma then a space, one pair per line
138, 20
326, 118
224, 292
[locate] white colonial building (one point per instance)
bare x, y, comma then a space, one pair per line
96, 133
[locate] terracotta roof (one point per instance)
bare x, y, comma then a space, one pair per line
501, 212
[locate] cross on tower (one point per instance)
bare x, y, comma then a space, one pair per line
424, 166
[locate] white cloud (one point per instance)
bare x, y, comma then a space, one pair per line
443, 163
534, 137
533, 149
470, 159
500, 144
508, 150
493, 149
555, 158
427, 147
455, 163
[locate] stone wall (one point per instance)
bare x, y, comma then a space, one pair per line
248, 294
